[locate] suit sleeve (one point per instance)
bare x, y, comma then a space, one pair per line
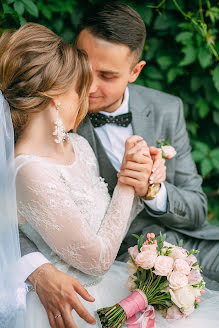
186, 202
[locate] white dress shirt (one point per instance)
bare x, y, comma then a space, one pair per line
113, 138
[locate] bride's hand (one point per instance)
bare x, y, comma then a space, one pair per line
58, 294
136, 165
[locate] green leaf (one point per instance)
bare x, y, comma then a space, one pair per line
202, 147
204, 57
203, 107
197, 155
146, 14
216, 77
206, 166
164, 61
7, 9
196, 83
184, 37
216, 117
19, 7
153, 84
22, 21
31, 8
214, 155
215, 101
162, 23
189, 55
153, 73
173, 73
180, 243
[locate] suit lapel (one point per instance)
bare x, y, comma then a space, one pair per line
142, 117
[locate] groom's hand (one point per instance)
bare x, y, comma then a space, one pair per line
136, 166
158, 174
58, 294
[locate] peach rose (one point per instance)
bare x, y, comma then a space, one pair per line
131, 285
146, 259
183, 297
147, 247
177, 280
168, 152
181, 266
133, 251
173, 312
163, 265
194, 277
178, 253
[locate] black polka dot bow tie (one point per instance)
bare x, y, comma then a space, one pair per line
100, 119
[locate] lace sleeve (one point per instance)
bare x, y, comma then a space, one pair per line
44, 202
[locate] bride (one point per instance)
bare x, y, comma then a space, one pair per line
63, 205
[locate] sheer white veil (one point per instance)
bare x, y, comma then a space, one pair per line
12, 288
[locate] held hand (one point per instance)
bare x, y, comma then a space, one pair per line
58, 294
136, 166
159, 168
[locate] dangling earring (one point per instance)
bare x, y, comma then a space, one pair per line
59, 128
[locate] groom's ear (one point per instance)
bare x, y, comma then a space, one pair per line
136, 71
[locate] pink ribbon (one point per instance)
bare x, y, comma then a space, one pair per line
134, 303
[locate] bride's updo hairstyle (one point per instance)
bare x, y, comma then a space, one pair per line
35, 66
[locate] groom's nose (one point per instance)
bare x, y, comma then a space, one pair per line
93, 87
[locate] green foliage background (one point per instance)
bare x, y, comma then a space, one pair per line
181, 51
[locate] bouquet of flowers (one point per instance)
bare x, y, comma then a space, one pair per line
162, 276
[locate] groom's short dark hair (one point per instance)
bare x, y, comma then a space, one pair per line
115, 22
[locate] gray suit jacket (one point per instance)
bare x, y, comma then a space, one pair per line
155, 115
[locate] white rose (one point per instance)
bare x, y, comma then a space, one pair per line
168, 152
131, 267
131, 285
178, 253
181, 266
163, 265
177, 280
183, 297
146, 259
188, 310
149, 247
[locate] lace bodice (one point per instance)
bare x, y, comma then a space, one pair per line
67, 211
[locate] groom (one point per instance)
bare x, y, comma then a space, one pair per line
113, 36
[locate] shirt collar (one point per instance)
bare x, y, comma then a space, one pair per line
123, 108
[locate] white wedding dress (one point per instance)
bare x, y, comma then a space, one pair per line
67, 212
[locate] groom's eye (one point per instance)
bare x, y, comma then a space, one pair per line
108, 77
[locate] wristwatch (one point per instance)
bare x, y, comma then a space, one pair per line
152, 192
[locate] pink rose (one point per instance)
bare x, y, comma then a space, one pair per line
133, 251
177, 280
181, 266
146, 259
131, 284
168, 152
194, 277
173, 312
163, 265
191, 259
178, 253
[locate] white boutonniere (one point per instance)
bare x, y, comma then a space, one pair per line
168, 151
